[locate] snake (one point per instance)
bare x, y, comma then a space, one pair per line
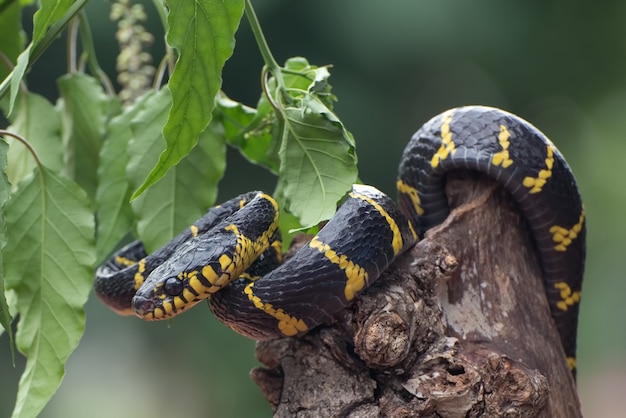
232, 255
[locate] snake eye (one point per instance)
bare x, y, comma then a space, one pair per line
173, 286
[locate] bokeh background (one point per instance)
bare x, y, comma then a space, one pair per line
560, 64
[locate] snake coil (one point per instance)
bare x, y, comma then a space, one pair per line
232, 255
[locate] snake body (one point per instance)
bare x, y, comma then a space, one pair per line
231, 256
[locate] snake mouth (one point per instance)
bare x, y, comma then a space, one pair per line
153, 309
143, 307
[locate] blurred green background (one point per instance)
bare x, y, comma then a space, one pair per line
560, 64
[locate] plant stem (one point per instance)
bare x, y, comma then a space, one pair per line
90, 49
160, 9
72, 46
24, 141
169, 52
268, 58
271, 66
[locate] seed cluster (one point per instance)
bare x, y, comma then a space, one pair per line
134, 64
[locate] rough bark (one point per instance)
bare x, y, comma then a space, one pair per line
458, 327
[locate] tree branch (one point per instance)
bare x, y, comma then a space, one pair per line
458, 327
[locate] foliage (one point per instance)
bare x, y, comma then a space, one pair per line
76, 176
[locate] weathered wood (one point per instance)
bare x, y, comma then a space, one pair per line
458, 327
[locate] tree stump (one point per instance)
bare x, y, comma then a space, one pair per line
458, 327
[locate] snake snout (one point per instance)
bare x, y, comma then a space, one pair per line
142, 306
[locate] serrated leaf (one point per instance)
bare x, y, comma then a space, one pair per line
186, 191
37, 120
5, 187
85, 109
48, 263
318, 161
114, 213
203, 33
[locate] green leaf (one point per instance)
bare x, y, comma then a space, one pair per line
48, 263
203, 33
114, 214
50, 13
48, 22
17, 75
186, 191
252, 131
38, 121
11, 35
318, 161
302, 78
317, 153
5, 187
85, 109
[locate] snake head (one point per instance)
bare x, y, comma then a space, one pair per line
172, 287
200, 267
164, 294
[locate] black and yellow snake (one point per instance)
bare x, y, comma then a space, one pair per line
232, 255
